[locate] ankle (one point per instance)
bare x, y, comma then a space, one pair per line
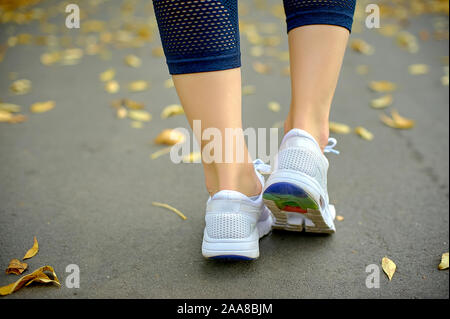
239, 177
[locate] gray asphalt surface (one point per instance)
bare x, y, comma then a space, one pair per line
82, 182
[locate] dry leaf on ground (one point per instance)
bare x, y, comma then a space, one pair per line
274, 106
382, 86
171, 110
112, 86
138, 86
16, 267
160, 152
361, 46
418, 69
388, 266
339, 218
9, 107
36, 276
134, 105
382, 102
397, 121
41, 107
33, 250
444, 262
170, 137
364, 133
176, 211
339, 128
133, 61
139, 115
261, 68
194, 157
22, 86
107, 75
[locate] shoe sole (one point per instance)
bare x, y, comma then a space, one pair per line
237, 250
295, 209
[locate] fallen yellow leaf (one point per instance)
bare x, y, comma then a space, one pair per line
9, 107
38, 275
112, 86
133, 61
16, 267
418, 69
382, 102
33, 250
339, 128
160, 152
339, 218
107, 75
133, 104
170, 208
22, 86
261, 68
138, 86
444, 262
171, 110
193, 157
274, 106
5, 116
361, 46
397, 121
364, 133
382, 86
139, 115
170, 137
388, 266
41, 107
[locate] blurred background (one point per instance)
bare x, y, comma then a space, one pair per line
80, 110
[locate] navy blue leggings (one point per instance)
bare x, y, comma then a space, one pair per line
203, 35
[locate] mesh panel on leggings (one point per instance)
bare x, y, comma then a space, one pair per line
291, 6
197, 27
228, 225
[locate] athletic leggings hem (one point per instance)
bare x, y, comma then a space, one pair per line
206, 64
327, 17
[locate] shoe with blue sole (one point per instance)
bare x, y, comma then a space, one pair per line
235, 223
296, 191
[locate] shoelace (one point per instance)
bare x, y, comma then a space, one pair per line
262, 167
330, 147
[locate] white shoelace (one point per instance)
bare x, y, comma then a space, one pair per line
330, 147
262, 167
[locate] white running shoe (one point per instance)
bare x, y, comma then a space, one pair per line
235, 223
296, 191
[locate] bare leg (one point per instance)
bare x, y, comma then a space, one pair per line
316, 54
215, 99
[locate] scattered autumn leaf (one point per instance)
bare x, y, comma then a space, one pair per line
397, 121
16, 267
131, 104
361, 46
107, 75
139, 115
444, 262
170, 137
133, 61
138, 86
112, 86
261, 68
9, 107
407, 41
364, 133
339, 128
382, 102
160, 152
339, 218
382, 86
418, 69
194, 157
170, 208
33, 250
41, 107
248, 89
389, 267
121, 113
22, 86
36, 276
172, 110
274, 106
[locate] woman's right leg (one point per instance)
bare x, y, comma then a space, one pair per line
201, 43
